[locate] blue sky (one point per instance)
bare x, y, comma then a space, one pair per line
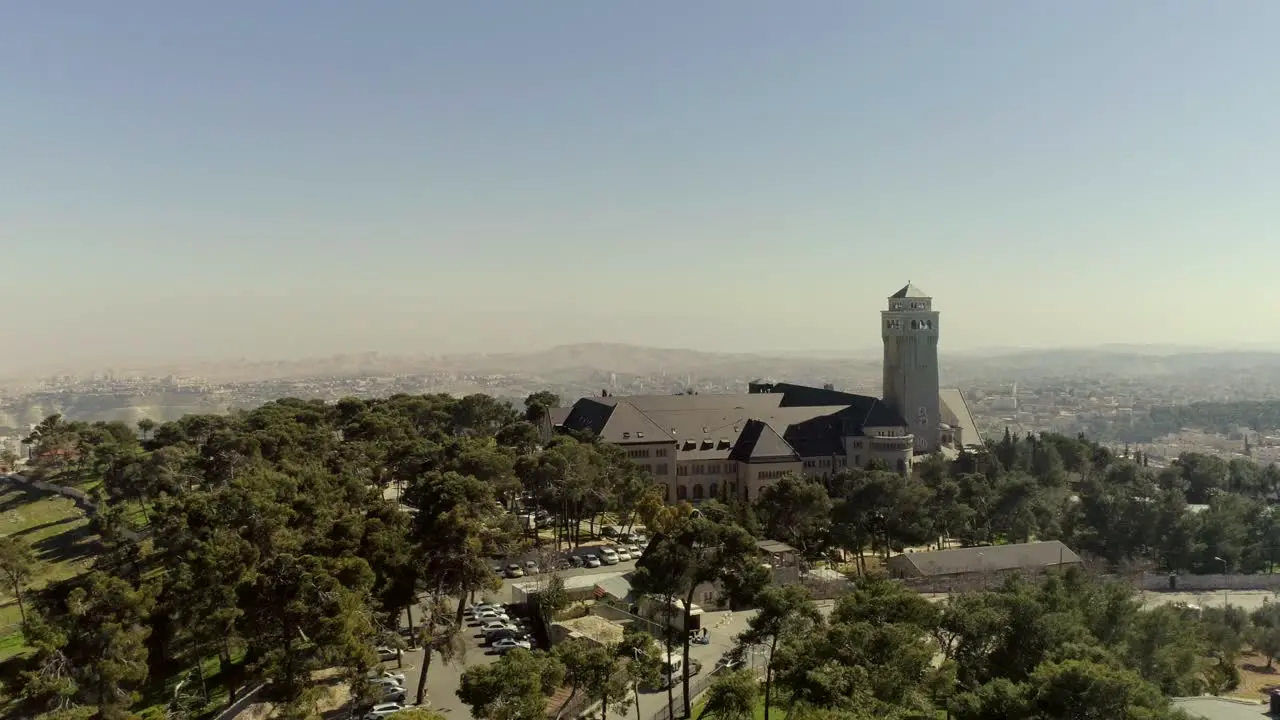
277, 178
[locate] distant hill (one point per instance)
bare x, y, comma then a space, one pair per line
568, 361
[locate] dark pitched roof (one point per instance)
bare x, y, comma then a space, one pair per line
990, 558
803, 422
759, 443
860, 411
909, 291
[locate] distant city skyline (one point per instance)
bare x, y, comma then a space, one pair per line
242, 179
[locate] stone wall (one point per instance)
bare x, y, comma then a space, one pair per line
1195, 583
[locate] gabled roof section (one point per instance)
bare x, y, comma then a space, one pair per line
805, 396
909, 291
954, 401
759, 442
613, 420
589, 415
858, 411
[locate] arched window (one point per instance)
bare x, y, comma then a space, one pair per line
697, 491
902, 466
713, 490
666, 492
682, 493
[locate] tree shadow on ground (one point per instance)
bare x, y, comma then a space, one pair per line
43, 526
68, 546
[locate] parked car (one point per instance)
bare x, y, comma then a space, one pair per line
493, 625
530, 567
379, 675
382, 710
635, 551
508, 644
609, 556
493, 615
623, 554
493, 636
576, 561
591, 561
481, 607
388, 653
392, 694
514, 571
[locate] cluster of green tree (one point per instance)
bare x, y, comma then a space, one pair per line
1219, 417
1114, 508
1070, 648
1222, 417
260, 546
519, 685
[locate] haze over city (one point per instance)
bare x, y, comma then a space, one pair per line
243, 179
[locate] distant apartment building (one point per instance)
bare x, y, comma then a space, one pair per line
734, 445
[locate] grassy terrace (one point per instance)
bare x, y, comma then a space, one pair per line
58, 532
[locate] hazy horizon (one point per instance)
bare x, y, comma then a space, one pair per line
246, 180
867, 354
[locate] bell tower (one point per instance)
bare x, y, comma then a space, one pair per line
910, 332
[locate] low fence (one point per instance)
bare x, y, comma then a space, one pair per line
698, 684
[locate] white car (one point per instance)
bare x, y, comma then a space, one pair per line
591, 561
623, 554
635, 551
493, 616
381, 675
391, 694
388, 653
515, 571
610, 556
508, 644
383, 710
495, 625
481, 607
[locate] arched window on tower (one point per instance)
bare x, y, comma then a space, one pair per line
697, 491
713, 490
682, 493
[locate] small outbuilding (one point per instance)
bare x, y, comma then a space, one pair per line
1033, 557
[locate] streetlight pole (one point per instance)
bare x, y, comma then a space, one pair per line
1226, 591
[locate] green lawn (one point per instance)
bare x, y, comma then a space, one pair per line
58, 532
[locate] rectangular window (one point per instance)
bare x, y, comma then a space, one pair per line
660, 452
661, 469
682, 470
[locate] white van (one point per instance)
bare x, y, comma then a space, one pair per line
609, 556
